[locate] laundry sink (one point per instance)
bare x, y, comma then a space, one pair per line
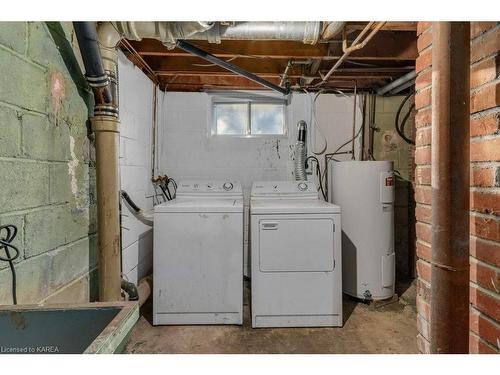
101, 327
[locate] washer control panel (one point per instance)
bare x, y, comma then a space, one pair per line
193, 187
228, 186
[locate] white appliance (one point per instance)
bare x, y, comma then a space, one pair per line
295, 256
198, 255
365, 191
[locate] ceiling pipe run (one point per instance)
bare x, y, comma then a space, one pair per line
397, 82
231, 67
450, 169
214, 32
358, 43
332, 29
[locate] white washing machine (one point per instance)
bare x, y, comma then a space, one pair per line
296, 260
198, 255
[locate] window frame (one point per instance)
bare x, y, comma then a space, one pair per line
247, 99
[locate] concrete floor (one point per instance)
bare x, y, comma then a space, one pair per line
388, 329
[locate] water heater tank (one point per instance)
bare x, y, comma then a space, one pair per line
365, 192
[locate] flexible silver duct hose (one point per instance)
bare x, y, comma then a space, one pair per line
300, 152
169, 32
306, 32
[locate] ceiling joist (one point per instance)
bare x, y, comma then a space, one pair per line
390, 54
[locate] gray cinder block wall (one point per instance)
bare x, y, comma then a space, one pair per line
47, 176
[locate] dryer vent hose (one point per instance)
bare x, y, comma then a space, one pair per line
300, 152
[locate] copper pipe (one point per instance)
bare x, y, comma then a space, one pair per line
356, 45
450, 187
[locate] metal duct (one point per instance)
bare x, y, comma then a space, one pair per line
306, 32
300, 152
332, 29
396, 83
169, 32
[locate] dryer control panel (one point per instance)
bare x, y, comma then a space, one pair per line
284, 189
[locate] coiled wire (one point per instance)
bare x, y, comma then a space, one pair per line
6, 243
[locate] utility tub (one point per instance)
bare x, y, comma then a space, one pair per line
100, 327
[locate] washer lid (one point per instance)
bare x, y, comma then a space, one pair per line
209, 189
292, 206
284, 189
201, 205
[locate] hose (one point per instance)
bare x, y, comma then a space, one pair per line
400, 128
130, 289
300, 152
5, 244
136, 210
129, 201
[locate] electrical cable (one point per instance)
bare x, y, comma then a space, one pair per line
172, 181
313, 121
400, 128
165, 192
207, 65
5, 244
318, 171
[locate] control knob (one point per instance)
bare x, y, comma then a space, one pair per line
302, 186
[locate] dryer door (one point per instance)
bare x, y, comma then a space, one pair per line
296, 244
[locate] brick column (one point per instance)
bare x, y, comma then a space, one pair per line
485, 186
423, 120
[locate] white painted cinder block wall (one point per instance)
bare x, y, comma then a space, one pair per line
136, 96
186, 151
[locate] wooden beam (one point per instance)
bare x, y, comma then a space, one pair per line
339, 74
389, 26
195, 83
386, 45
195, 88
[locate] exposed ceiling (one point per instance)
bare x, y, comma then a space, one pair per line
390, 54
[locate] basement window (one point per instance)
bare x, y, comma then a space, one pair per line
248, 117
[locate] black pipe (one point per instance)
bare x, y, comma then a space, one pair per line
131, 289
86, 35
102, 82
232, 68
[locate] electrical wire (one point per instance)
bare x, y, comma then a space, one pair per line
172, 181
318, 171
400, 127
217, 50
313, 121
207, 65
163, 182
5, 244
